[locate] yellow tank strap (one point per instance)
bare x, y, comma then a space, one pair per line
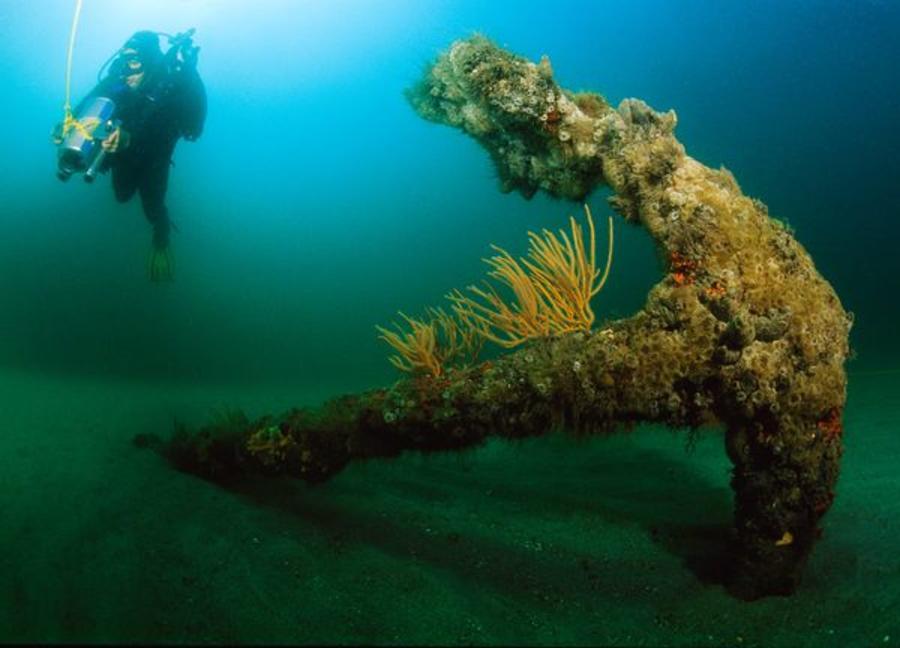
85, 126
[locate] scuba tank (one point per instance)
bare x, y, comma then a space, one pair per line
81, 149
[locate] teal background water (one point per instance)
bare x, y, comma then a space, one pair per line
317, 203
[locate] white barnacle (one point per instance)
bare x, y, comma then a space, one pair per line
607, 334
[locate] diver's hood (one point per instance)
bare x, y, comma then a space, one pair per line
146, 44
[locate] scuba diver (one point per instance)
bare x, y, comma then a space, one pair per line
137, 113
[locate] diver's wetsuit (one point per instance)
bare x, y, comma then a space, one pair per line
154, 116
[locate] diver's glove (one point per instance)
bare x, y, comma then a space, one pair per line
159, 267
116, 141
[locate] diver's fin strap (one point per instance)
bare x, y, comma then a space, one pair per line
85, 126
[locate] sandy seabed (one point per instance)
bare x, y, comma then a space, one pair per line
551, 541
